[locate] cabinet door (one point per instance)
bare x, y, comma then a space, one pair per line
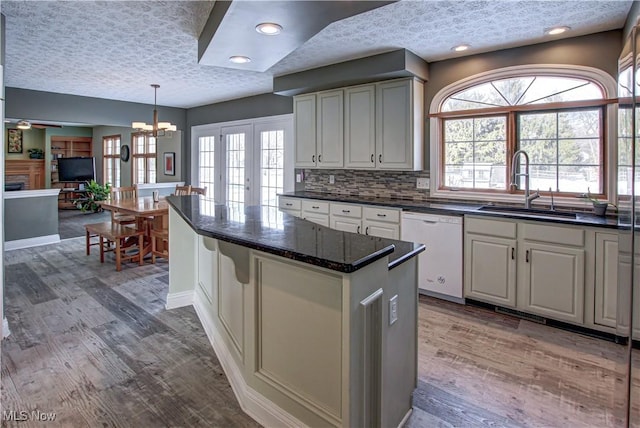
330, 137
606, 281
359, 127
552, 281
381, 229
346, 224
394, 139
321, 219
304, 114
490, 269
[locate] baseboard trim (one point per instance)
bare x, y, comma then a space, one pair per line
255, 405
5, 328
406, 418
31, 242
179, 300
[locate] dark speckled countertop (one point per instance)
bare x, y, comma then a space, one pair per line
455, 208
271, 231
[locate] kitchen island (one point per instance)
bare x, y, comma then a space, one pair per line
313, 326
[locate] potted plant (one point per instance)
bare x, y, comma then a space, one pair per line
599, 207
94, 193
36, 153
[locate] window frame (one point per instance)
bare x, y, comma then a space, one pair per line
111, 158
608, 126
135, 155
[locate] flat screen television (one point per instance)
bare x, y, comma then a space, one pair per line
76, 169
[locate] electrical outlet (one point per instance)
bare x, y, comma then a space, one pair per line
393, 309
298, 178
332, 179
422, 183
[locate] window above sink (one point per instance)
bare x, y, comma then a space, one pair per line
560, 115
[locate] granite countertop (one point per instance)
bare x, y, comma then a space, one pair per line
266, 229
458, 208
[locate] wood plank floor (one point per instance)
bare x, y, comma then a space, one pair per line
98, 348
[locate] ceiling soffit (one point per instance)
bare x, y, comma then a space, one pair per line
230, 29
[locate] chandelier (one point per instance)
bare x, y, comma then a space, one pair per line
156, 128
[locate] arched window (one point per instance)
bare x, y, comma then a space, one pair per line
557, 118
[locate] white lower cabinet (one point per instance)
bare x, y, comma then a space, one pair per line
490, 269
606, 279
536, 267
552, 282
380, 229
316, 211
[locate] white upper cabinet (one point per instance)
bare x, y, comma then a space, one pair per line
360, 127
330, 142
378, 125
400, 125
304, 111
319, 129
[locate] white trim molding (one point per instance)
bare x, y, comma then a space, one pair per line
168, 184
31, 242
600, 77
20, 194
5, 328
264, 411
179, 300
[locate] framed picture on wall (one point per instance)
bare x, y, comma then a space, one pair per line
14, 140
169, 163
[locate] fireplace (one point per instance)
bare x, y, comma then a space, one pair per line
30, 173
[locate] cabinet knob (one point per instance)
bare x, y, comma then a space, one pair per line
358, 230
288, 204
381, 215
366, 230
313, 158
372, 161
380, 158
346, 211
319, 158
315, 207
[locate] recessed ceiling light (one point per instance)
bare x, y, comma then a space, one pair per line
239, 59
460, 48
269, 28
557, 30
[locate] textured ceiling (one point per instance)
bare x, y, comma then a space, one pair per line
116, 49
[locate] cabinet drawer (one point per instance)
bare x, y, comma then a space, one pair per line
289, 203
388, 215
482, 226
553, 234
346, 210
315, 206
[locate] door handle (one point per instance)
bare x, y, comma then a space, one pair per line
380, 158
366, 230
313, 158
358, 230
315, 207
372, 161
288, 204
513, 253
346, 211
526, 258
381, 215
319, 158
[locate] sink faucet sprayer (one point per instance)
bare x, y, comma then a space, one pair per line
514, 175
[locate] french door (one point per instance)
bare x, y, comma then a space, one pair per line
247, 162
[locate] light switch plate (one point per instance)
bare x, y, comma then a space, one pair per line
298, 178
422, 183
332, 179
393, 309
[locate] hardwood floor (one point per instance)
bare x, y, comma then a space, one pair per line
97, 347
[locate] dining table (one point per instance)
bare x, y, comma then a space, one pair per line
149, 214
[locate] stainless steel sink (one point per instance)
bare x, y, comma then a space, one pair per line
530, 212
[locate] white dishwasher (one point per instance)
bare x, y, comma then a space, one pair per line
440, 265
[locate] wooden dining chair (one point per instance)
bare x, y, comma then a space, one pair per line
128, 243
182, 190
199, 191
118, 194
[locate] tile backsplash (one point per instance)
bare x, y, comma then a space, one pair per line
388, 184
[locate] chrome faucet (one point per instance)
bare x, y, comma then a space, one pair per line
514, 175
